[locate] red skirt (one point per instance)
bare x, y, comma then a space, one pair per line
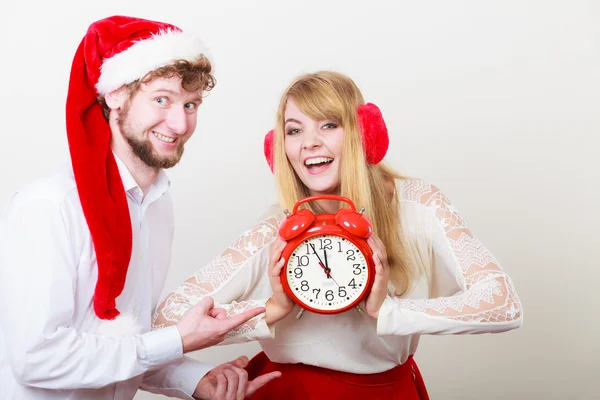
307, 382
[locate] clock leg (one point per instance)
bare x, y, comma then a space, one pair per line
299, 315
360, 310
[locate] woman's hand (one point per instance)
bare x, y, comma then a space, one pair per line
279, 305
382, 277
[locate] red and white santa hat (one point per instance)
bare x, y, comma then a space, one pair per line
115, 51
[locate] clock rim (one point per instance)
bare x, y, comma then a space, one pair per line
333, 230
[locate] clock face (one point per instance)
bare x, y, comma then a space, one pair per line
327, 272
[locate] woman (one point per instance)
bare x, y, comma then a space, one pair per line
432, 274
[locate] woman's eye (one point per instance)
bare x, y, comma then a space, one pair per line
330, 125
293, 131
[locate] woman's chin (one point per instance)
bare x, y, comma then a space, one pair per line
326, 189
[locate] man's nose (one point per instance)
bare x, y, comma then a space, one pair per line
177, 121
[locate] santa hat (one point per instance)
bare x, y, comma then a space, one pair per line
115, 51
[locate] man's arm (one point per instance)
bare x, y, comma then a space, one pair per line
201, 326
178, 379
38, 271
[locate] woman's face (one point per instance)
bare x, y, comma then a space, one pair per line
314, 149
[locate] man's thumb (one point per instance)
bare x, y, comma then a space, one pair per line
204, 305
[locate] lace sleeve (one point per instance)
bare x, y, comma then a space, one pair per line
487, 302
229, 279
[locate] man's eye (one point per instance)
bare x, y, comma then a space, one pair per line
190, 106
163, 101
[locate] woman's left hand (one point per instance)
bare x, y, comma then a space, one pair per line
382, 277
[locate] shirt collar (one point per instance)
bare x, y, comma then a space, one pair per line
162, 182
160, 185
129, 182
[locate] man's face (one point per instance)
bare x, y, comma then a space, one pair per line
157, 121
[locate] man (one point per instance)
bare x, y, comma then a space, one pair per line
84, 251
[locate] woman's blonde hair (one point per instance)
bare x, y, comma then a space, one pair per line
332, 95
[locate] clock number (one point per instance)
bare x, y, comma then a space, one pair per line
298, 272
327, 245
356, 270
307, 249
317, 293
342, 291
339, 247
352, 284
329, 295
302, 261
304, 286
350, 254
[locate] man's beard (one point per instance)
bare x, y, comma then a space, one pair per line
143, 149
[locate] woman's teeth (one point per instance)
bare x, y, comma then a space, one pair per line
317, 160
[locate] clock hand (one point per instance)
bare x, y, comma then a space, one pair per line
327, 270
327, 267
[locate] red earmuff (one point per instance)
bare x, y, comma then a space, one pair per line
268, 148
374, 134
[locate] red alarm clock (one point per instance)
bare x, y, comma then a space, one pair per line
329, 265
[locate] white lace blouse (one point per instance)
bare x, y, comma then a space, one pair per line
463, 290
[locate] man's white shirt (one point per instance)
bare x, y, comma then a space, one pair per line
48, 273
